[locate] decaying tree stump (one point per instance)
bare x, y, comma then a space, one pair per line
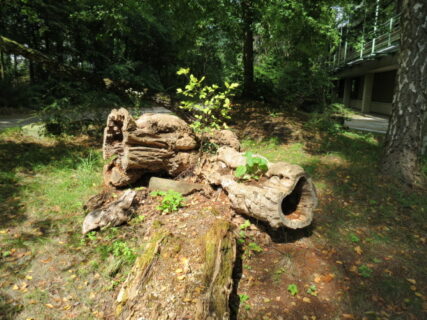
154, 143
285, 197
159, 143
182, 278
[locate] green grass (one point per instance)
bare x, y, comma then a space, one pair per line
44, 183
360, 207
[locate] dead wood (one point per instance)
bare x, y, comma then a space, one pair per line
165, 285
154, 143
286, 197
116, 213
179, 186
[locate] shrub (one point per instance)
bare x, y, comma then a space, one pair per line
208, 104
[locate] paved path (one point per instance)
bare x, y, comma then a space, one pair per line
20, 120
368, 122
17, 120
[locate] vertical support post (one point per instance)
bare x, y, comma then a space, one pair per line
377, 9
347, 92
345, 52
368, 84
390, 30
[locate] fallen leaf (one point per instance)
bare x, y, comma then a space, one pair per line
181, 277
347, 316
358, 250
411, 281
306, 300
50, 306
28, 277
15, 287
178, 270
413, 288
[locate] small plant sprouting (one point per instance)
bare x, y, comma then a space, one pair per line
242, 233
365, 271
171, 201
245, 225
354, 238
293, 289
254, 168
254, 247
91, 236
138, 219
312, 290
243, 300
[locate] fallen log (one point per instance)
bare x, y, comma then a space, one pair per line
285, 197
182, 276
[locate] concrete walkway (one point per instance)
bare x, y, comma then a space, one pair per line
21, 120
367, 122
17, 120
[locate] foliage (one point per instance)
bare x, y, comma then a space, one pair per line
210, 106
365, 271
312, 290
171, 201
254, 168
254, 247
244, 298
293, 289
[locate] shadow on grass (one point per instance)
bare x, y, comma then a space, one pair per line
361, 207
21, 160
8, 310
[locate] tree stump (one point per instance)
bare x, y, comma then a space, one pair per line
286, 196
154, 143
178, 277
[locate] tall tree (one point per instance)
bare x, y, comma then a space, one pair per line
404, 135
248, 47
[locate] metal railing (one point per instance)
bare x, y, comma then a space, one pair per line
382, 39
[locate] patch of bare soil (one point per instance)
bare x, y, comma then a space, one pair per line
283, 258
254, 121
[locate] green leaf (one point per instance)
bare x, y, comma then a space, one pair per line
240, 171
293, 289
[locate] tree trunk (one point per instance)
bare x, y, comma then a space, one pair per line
248, 48
2, 66
200, 289
403, 143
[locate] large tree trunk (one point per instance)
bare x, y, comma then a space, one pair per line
248, 48
404, 136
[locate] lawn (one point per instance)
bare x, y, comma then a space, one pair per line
368, 229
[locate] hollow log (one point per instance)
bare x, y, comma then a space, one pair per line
285, 197
181, 276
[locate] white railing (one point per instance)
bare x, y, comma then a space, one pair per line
383, 39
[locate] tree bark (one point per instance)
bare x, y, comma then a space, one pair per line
248, 48
403, 143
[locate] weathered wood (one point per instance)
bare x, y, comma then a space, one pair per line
179, 186
165, 285
220, 255
116, 213
286, 197
154, 143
